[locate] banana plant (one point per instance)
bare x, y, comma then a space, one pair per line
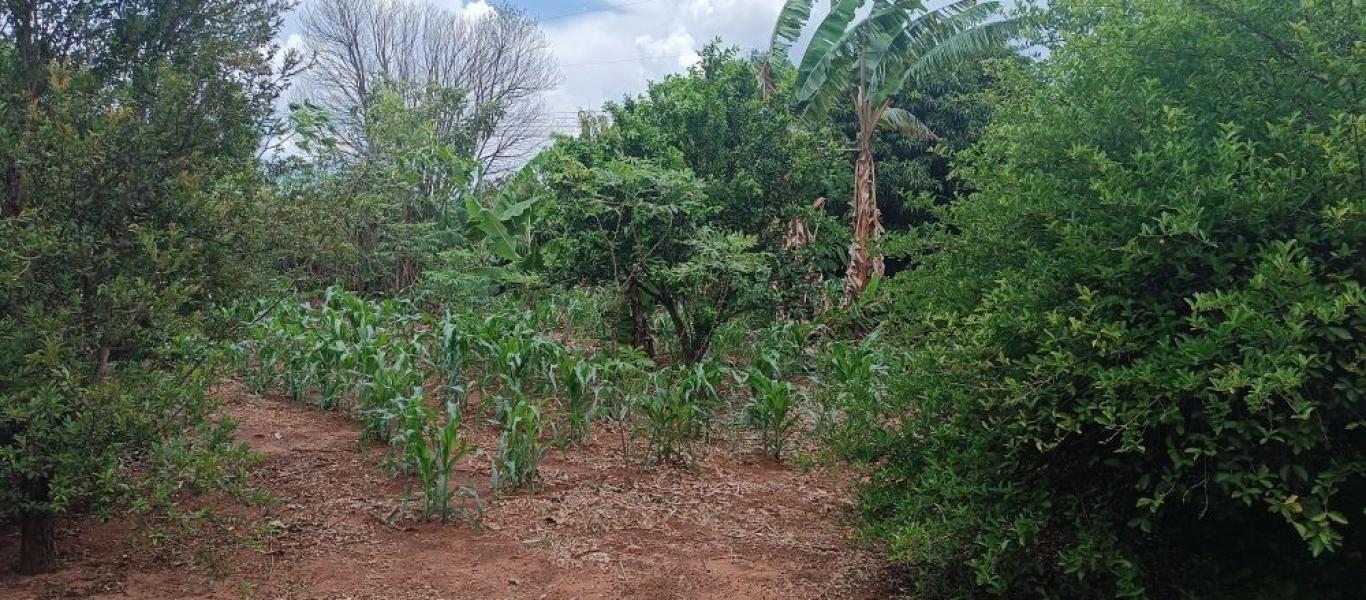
505, 227
866, 61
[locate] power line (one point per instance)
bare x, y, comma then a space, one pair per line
626, 60
567, 15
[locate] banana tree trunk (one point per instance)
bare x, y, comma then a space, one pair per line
867, 225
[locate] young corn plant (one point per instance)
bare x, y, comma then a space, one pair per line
432, 447
517, 462
260, 372
787, 345
391, 379
671, 418
701, 383
298, 370
771, 410
452, 357
512, 356
849, 394
624, 375
332, 354
577, 379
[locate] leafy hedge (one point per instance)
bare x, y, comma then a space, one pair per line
1138, 352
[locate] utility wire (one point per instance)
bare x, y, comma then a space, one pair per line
567, 15
625, 60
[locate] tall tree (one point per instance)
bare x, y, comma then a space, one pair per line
500, 60
1143, 335
755, 167
868, 61
128, 157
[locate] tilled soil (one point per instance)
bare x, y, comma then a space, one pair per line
733, 526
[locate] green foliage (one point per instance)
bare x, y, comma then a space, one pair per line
126, 170
1140, 338
661, 206
578, 377
378, 220
520, 450
771, 410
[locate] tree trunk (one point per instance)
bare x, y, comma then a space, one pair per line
685, 339
38, 546
640, 324
867, 225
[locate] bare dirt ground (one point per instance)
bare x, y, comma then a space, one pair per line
734, 526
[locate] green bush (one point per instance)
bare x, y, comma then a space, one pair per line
1136, 353
126, 181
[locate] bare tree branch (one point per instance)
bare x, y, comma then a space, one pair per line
501, 61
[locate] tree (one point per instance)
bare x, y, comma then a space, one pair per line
128, 161
644, 228
755, 167
500, 61
869, 61
1134, 353
374, 223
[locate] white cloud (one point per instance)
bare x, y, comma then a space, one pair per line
628, 47
605, 55
679, 44
293, 41
477, 9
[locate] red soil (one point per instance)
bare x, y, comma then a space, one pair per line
734, 526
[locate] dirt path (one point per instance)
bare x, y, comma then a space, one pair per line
734, 527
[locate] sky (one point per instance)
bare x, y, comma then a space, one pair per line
610, 48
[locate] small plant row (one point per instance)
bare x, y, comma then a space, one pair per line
415, 380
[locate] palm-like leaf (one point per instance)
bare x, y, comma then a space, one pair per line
830, 39
906, 123
944, 42
899, 41
791, 20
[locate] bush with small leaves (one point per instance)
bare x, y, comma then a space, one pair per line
1135, 355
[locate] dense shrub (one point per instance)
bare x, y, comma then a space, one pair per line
1136, 353
126, 172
